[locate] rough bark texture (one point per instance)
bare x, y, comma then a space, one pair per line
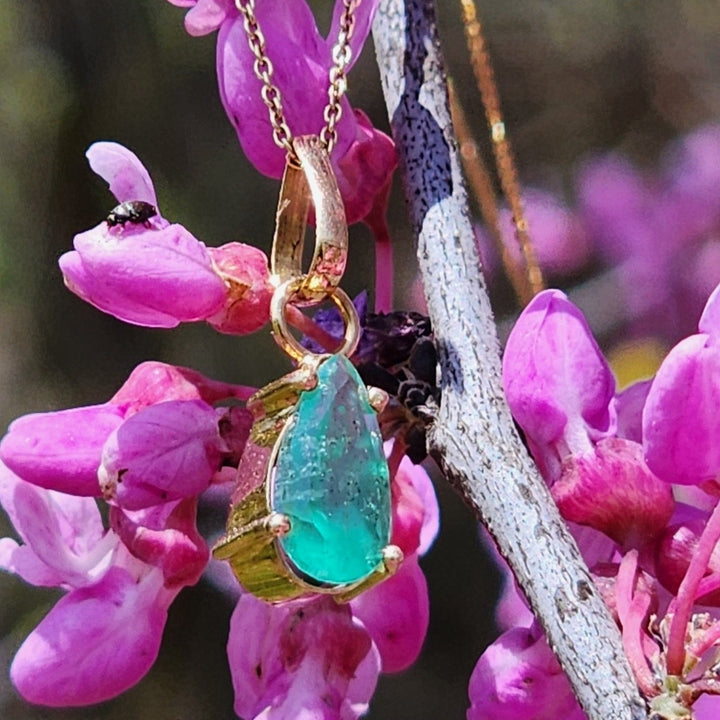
474, 440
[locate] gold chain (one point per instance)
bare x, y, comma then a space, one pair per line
337, 77
480, 60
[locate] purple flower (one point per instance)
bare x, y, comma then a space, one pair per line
363, 157
560, 241
518, 677
681, 425
112, 615
557, 382
658, 230
155, 273
163, 448
313, 656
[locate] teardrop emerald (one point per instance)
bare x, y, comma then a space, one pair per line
331, 479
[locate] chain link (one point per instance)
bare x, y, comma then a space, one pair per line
337, 77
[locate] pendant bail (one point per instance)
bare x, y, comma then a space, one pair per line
313, 180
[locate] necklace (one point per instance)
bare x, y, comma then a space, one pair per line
311, 512
337, 77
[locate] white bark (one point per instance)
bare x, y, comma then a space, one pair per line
474, 439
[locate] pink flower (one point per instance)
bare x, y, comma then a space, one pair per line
154, 273
557, 382
560, 241
680, 420
205, 16
313, 656
104, 634
518, 678
363, 157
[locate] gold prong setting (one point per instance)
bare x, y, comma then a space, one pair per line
392, 557
378, 399
278, 524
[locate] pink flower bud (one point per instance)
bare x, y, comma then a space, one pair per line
145, 276
518, 678
205, 16
246, 307
61, 450
557, 382
612, 490
165, 452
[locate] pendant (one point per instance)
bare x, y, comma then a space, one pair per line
312, 509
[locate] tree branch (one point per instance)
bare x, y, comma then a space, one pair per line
474, 440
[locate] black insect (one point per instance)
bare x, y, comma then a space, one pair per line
132, 211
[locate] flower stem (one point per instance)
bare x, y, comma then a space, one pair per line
306, 326
688, 592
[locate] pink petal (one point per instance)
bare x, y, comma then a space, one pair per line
557, 382
95, 643
681, 422
166, 537
151, 277
396, 614
295, 660
60, 450
154, 382
62, 534
23, 562
364, 14
710, 319
245, 270
164, 452
674, 552
207, 16
518, 678
301, 61
122, 170
365, 171
612, 490
416, 515
362, 686
629, 406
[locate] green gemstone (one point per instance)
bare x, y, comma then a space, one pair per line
332, 480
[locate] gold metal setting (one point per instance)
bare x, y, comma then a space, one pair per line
285, 294
251, 543
253, 528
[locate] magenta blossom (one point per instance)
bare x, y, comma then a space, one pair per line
157, 274
681, 423
653, 558
112, 615
658, 230
314, 657
561, 243
363, 157
153, 450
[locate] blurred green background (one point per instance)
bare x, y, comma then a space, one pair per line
575, 76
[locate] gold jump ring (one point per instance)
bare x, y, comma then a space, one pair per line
281, 332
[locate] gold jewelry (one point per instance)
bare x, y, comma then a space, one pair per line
313, 511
